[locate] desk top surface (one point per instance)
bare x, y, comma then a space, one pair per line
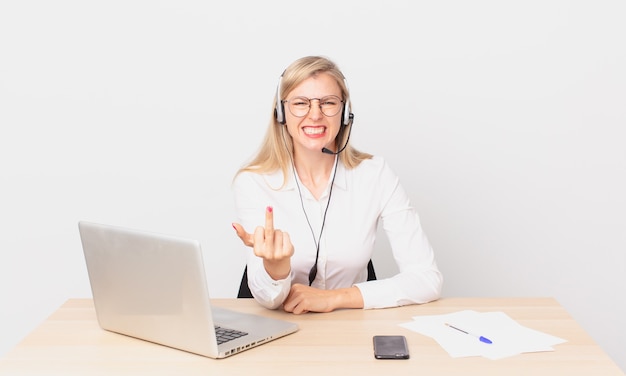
70, 342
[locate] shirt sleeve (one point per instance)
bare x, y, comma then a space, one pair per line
419, 279
250, 203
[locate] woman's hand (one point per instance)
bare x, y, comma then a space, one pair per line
303, 299
273, 246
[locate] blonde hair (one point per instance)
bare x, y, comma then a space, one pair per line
277, 146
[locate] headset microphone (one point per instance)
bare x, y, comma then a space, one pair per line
328, 151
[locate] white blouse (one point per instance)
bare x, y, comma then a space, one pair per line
361, 198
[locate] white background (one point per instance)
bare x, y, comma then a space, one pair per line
504, 120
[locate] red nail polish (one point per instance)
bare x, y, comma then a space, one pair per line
232, 224
270, 209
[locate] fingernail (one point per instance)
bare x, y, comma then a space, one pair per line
232, 224
270, 209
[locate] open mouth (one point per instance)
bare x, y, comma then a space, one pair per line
313, 131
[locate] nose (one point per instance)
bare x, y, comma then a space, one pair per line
315, 111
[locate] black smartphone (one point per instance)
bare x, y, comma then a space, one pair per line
390, 347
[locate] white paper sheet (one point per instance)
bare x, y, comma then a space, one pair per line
509, 337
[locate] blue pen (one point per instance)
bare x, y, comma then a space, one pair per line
481, 338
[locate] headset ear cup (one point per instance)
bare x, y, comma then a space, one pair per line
346, 116
279, 110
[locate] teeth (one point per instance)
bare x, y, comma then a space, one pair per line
309, 130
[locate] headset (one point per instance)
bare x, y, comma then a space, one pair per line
279, 110
346, 119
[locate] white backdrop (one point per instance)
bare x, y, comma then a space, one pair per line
505, 121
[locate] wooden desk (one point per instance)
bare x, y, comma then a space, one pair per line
70, 342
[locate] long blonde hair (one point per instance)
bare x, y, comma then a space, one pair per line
272, 154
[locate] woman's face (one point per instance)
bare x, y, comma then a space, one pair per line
315, 130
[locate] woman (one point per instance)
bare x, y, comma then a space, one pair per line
314, 203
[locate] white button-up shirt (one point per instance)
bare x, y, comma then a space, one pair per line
361, 198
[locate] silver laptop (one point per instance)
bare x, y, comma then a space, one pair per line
153, 287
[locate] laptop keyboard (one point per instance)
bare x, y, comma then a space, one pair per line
225, 335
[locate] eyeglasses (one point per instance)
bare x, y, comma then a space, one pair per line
300, 106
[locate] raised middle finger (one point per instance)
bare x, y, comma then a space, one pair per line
269, 223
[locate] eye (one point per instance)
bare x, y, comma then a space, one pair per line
330, 101
300, 102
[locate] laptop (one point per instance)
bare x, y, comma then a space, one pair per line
153, 287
